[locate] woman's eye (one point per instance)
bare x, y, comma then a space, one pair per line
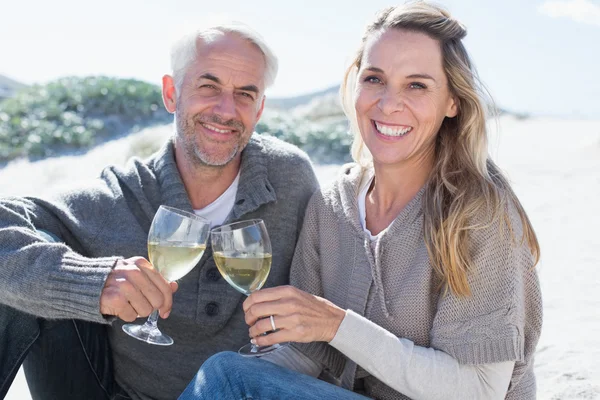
372, 79
417, 85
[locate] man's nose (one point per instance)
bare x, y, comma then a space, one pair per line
225, 106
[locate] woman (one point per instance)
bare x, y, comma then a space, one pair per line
414, 272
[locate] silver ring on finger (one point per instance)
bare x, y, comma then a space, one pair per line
272, 322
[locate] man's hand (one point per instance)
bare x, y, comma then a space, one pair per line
135, 289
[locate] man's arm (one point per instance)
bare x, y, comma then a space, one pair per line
51, 280
45, 278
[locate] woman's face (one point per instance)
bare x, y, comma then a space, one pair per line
402, 97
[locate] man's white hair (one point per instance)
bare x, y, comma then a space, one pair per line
184, 52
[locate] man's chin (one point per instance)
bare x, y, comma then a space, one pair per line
214, 161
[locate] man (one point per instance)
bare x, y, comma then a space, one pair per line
49, 291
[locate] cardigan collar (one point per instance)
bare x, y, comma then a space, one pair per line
254, 187
348, 187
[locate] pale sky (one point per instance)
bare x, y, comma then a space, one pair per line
535, 56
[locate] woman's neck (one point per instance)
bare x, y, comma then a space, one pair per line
393, 187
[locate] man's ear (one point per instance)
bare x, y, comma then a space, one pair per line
169, 93
260, 110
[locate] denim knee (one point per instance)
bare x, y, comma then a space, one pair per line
18, 332
223, 359
221, 362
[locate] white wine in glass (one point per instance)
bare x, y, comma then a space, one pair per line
245, 272
173, 259
242, 252
176, 242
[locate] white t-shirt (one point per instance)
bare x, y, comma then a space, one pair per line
217, 211
365, 184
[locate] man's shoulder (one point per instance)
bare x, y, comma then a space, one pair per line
285, 166
277, 150
135, 170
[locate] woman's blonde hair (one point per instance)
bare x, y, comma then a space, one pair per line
464, 183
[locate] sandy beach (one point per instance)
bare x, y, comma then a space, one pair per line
554, 166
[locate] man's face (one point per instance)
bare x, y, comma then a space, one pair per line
220, 100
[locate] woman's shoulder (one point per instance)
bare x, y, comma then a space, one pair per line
346, 181
493, 219
339, 195
348, 177
501, 235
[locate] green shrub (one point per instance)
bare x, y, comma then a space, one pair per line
75, 113
324, 142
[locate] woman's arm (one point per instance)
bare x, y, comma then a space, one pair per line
418, 372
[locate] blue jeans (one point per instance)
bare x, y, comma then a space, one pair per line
62, 359
229, 376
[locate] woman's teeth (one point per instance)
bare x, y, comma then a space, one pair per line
392, 131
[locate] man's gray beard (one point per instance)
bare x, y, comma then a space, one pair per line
193, 153
203, 160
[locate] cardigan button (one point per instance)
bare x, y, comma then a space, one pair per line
213, 274
212, 309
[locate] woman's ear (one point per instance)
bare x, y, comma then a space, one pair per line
452, 110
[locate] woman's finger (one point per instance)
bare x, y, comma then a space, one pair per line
284, 306
270, 294
281, 336
261, 326
290, 322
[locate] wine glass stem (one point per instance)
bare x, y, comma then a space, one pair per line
150, 324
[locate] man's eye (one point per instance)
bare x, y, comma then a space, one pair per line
248, 95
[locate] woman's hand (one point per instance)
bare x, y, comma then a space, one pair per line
298, 316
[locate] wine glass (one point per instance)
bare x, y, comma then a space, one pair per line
176, 242
242, 252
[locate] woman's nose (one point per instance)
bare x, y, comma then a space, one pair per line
390, 102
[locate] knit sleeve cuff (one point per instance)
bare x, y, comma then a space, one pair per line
488, 338
485, 352
76, 287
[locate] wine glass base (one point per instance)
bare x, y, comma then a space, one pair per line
152, 336
251, 350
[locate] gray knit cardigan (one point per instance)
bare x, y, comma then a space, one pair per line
394, 286
109, 218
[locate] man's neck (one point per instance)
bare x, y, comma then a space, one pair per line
204, 184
